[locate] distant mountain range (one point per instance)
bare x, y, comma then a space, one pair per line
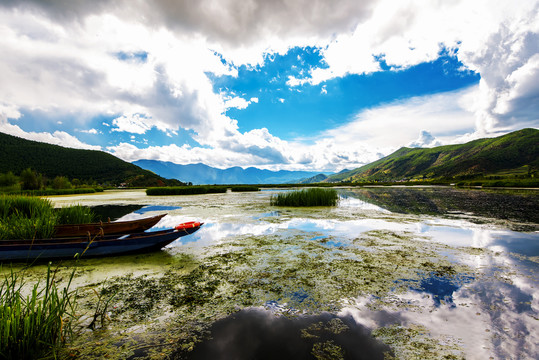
49, 160
204, 174
513, 154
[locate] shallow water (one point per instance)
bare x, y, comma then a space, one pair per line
430, 272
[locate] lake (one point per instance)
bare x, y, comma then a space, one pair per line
408, 272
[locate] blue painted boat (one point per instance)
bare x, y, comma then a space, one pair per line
99, 245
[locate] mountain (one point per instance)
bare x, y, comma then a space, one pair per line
204, 174
314, 179
516, 153
53, 160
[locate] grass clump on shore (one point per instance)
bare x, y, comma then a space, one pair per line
75, 214
186, 190
34, 326
243, 188
306, 197
25, 217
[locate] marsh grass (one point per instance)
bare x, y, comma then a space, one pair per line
306, 197
36, 325
186, 190
244, 188
76, 214
25, 217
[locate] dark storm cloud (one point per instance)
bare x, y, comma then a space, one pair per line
229, 21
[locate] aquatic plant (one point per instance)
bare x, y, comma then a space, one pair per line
306, 197
26, 217
76, 214
186, 190
241, 188
36, 325
52, 192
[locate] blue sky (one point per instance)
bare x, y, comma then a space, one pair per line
305, 111
298, 85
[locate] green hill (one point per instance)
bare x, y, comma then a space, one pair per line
509, 156
313, 179
53, 160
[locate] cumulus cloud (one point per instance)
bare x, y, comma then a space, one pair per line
445, 115
500, 41
56, 138
88, 60
90, 131
238, 102
424, 140
509, 67
135, 123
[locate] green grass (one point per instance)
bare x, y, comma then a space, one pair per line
34, 326
26, 217
242, 188
76, 214
306, 197
186, 190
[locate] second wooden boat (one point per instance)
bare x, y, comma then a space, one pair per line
108, 228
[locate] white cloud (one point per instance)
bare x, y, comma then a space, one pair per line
90, 131
61, 138
393, 125
425, 140
135, 123
61, 58
499, 40
237, 102
56, 138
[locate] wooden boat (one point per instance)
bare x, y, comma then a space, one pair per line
109, 228
99, 245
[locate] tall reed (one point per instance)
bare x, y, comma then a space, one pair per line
75, 214
241, 188
26, 217
34, 326
306, 197
186, 190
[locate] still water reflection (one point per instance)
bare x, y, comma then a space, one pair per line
473, 292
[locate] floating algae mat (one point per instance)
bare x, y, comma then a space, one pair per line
388, 273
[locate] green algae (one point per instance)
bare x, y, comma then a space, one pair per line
328, 350
301, 276
168, 306
415, 342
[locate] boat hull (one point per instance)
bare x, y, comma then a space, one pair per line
48, 249
108, 228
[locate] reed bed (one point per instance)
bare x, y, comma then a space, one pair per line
75, 214
25, 217
186, 190
306, 197
244, 188
34, 326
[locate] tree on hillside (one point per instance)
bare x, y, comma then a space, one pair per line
61, 182
31, 180
8, 179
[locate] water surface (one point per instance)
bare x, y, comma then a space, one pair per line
422, 272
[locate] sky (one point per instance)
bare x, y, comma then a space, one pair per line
282, 85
